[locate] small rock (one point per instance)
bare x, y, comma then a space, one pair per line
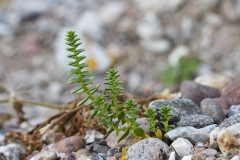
216, 81
176, 54
187, 157
92, 136
197, 121
192, 134
228, 10
68, 156
99, 156
112, 138
197, 92
100, 148
230, 121
213, 138
113, 151
234, 109
209, 152
172, 156
112, 158
236, 157
228, 140
46, 155
147, 149
11, 151
182, 146
156, 46
82, 152
70, 144
211, 108
222, 102
232, 93
180, 108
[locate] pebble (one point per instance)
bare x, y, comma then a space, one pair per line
223, 103
99, 156
236, 157
172, 156
215, 80
207, 154
113, 151
46, 155
211, 108
228, 140
70, 144
11, 151
230, 121
156, 46
147, 149
100, 148
213, 138
182, 146
92, 136
194, 135
187, 157
180, 108
82, 152
112, 138
68, 156
197, 121
197, 92
234, 109
232, 93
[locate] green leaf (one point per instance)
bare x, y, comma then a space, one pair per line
73, 80
86, 73
83, 101
138, 132
102, 122
82, 65
93, 114
158, 134
72, 71
88, 81
121, 115
77, 90
89, 101
72, 64
125, 134
108, 119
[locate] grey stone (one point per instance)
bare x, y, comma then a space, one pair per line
182, 146
197, 121
113, 151
147, 149
100, 148
180, 108
211, 108
11, 151
234, 109
46, 155
192, 134
230, 121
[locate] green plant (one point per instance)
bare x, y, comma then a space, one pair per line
185, 69
164, 119
79, 69
118, 116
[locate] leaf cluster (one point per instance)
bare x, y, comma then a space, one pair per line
164, 118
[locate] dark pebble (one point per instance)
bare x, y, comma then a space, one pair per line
197, 121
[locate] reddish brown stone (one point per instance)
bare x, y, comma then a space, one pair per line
231, 93
70, 144
197, 92
222, 102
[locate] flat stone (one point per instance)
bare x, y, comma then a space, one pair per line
181, 108
46, 155
229, 141
192, 134
147, 149
182, 146
100, 148
211, 108
196, 120
197, 92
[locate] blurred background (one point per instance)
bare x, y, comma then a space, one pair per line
154, 44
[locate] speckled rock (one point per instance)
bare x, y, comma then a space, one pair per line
197, 92
192, 134
70, 144
230, 121
229, 141
232, 93
100, 148
216, 81
196, 120
82, 152
46, 155
147, 149
234, 109
207, 154
211, 108
10, 151
112, 138
180, 108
